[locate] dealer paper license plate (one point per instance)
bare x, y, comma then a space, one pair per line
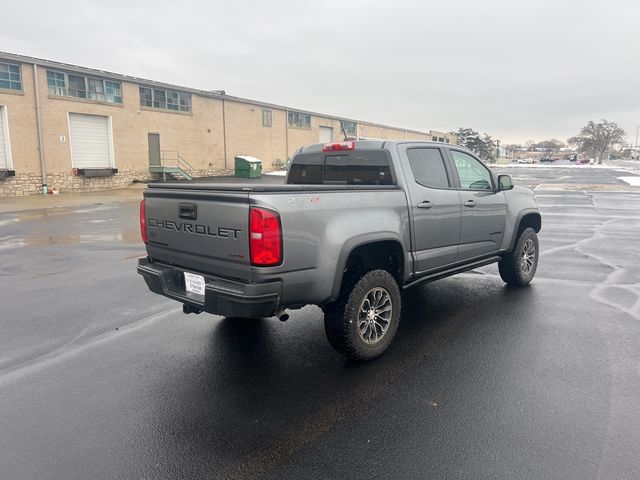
194, 283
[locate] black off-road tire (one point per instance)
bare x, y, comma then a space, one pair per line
519, 267
341, 318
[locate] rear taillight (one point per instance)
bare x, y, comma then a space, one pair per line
338, 147
143, 221
265, 237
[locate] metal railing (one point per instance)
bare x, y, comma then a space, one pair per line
172, 158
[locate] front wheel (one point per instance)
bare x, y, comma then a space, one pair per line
519, 267
363, 321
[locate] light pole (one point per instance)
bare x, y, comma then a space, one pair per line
635, 150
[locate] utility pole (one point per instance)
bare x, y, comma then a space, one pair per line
635, 150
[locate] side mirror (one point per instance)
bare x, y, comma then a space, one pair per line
505, 182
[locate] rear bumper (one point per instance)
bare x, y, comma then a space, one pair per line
222, 297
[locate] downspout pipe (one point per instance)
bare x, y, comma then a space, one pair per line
43, 166
224, 132
286, 136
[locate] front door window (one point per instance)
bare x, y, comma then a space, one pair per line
472, 173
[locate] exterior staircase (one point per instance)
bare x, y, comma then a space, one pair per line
172, 166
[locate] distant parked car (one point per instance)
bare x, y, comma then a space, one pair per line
547, 160
525, 160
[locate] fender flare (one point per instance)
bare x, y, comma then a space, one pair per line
358, 241
519, 217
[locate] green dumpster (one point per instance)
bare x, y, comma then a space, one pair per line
248, 167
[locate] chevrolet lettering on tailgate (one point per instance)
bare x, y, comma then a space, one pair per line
194, 228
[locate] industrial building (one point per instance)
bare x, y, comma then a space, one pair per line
72, 128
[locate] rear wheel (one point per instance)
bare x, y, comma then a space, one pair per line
519, 267
363, 321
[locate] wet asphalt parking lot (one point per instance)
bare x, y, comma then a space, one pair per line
101, 379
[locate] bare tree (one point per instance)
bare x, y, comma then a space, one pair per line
549, 147
597, 138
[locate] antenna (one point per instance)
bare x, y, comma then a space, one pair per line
345, 133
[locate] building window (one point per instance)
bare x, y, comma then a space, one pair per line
76, 86
299, 120
113, 91
96, 89
267, 118
349, 127
56, 83
146, 97
434, 139
70, 85
10, 76
441, 139
160, 99
165, 99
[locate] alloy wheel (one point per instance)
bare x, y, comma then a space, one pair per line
374, 315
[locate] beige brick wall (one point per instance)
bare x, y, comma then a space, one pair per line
247, 136
197, 136
418, 136
435, 133
21, 115
389, 133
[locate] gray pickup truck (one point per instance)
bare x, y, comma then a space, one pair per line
354, 223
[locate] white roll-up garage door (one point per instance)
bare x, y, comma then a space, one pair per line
90, 141
325, 135
4, 154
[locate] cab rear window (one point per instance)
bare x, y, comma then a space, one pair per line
358, 167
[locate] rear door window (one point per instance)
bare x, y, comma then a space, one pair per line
427, 166
358, 167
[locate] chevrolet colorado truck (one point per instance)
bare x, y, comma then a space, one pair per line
354, 224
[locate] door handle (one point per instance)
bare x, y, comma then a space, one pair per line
188, 211
469, 203
425, 204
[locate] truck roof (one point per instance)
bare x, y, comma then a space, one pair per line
371, 144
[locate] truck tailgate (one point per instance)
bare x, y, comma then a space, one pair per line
205, 231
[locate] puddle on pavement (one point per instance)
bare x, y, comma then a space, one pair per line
30, 215
37, 214
128, 236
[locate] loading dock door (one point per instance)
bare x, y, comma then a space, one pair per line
90, 141
4, 154
326, 135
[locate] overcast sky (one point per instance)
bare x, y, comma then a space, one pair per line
518, 70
